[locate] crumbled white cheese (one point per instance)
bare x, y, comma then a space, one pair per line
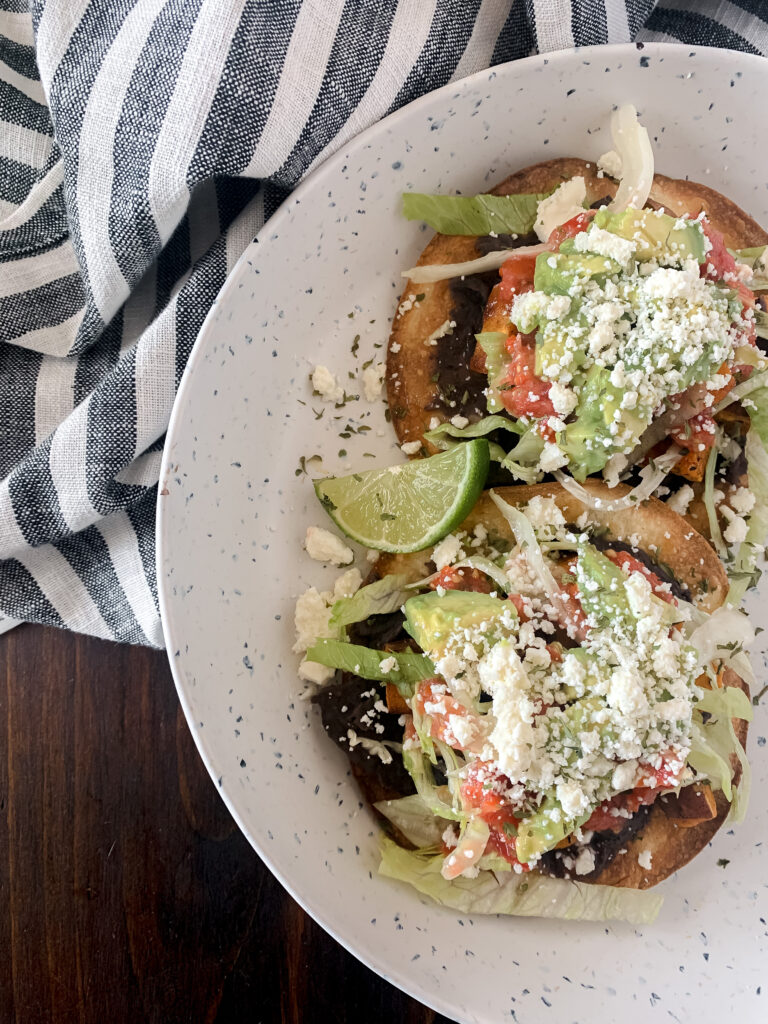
373, 378
572, 798
348, 583
552, 457
449, 550
563, 398
736, 531
326, 385
445, 328
434, 422
680, 500
644, 859
387, 664
313, 672
311, 619
585, 862
324, 546
372, 746
565, 202
610, 164
410, 447
604, 243
742, 501
459, 422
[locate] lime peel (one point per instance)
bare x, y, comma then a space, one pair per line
409, 506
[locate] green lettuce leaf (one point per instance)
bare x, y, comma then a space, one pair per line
385, 595
481, 428
474, 215
754, 257
744, 573
730, 700
415, 819
523, 461
713, 742
525, 895
410, 668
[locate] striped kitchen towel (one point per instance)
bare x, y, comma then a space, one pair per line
142, 145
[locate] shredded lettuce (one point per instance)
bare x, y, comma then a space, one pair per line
526, 895
526, 538
745, 573
714, 741
481, 428
419, 767
729, 700
385, 595
709, 501
473, 215
523, 461
755, 258
410, 668
718, 636
413, 816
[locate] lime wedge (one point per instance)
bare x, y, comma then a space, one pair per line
409, 506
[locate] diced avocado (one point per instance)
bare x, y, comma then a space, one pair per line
555, 338
431, 618
556, 272
493, 343
587, 440
655, 235
539, 832
604, 597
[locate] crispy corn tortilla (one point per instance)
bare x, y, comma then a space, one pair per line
412, 362
670, 540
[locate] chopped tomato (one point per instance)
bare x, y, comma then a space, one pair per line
519, 603
522, 365
695, 432
516, 277
480, 791
571, 227
462, 579
529, 399
611, 815
570, 614
555, 652
631, 564
433, 699
718, 262
665, 776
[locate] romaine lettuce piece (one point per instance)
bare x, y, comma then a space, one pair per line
410, 668
473, 215
385, 595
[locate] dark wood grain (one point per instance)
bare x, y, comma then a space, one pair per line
127, 893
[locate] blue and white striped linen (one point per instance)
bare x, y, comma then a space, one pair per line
142, 145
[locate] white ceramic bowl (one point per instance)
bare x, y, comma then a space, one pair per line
234, 511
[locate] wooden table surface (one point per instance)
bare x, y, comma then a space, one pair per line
127, 893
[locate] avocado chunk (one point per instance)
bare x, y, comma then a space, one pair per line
604, 597
587, 440
557, 272
655, 235
561, 342
431, 618
542, 830
493, 343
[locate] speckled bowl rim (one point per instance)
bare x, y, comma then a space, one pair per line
173, 631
